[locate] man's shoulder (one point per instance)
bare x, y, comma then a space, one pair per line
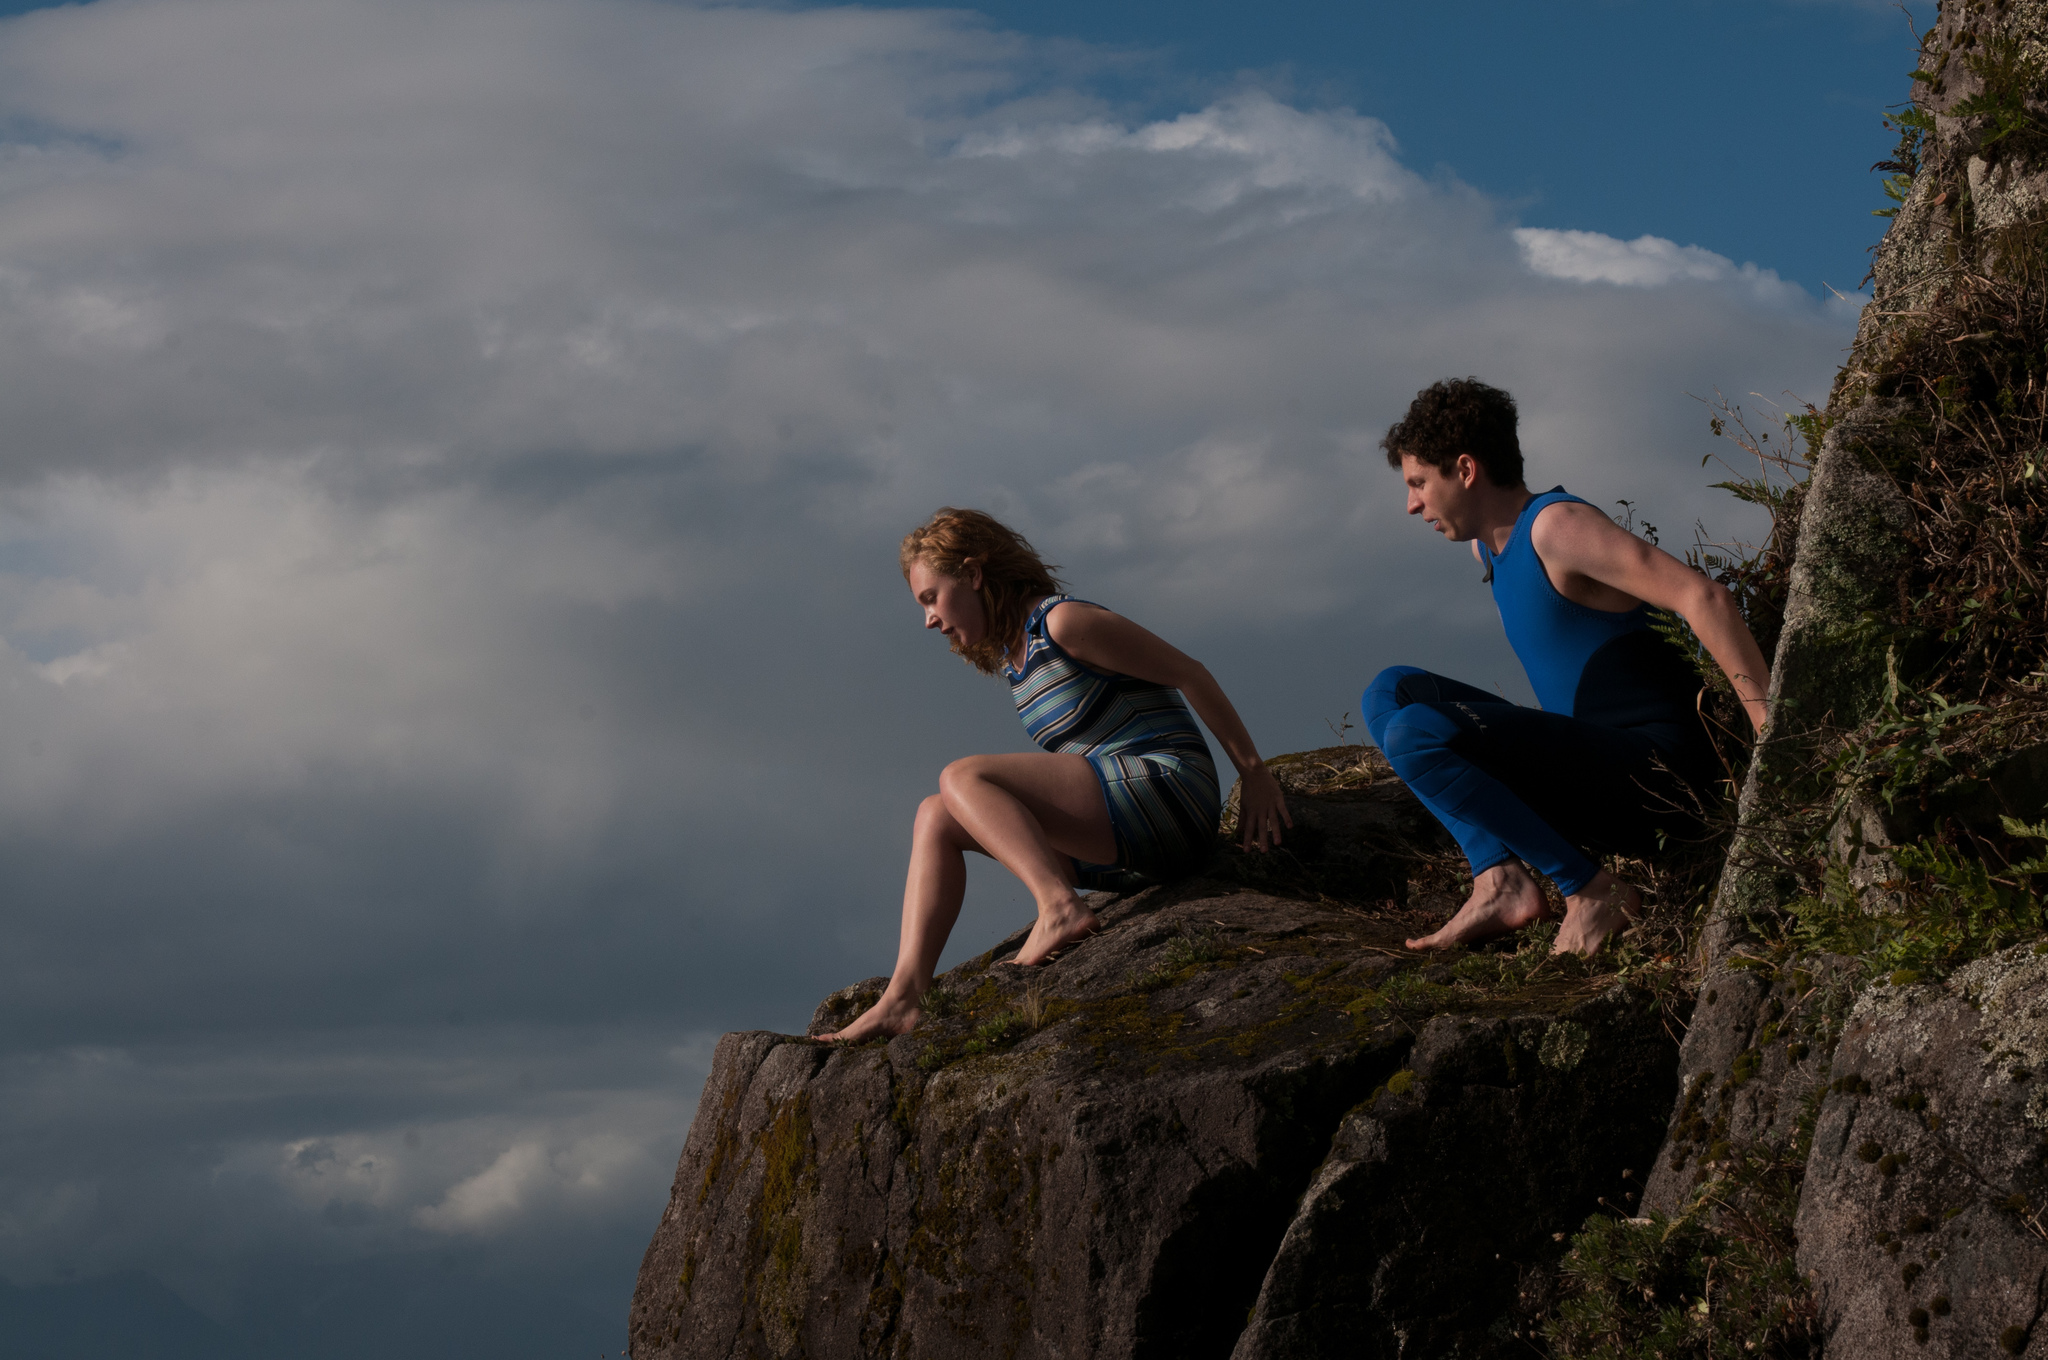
1574, 537
1563, 516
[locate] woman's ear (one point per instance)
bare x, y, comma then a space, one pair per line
970, 572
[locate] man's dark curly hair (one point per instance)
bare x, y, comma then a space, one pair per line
1460, 415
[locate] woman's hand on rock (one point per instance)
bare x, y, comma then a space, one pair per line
1261, 810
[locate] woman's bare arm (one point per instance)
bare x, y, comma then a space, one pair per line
1111, 642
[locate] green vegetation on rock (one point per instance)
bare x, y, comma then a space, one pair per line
1891, 830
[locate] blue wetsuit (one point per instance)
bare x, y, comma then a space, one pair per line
1616, 754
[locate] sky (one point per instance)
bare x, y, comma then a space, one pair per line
452, 660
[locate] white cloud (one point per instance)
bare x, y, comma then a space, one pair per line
510, 1139
1245, 144
93, 663
455, 451
1646, 262
531, 1173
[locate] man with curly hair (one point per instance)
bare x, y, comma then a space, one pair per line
1618, 751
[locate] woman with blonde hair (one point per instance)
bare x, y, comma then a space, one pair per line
1125, 782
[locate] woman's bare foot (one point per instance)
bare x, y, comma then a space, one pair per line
1598, 910
1056, 929
1504, 898
891, 1015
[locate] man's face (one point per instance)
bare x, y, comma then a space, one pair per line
1442, 500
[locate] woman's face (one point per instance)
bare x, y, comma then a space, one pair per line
951, 604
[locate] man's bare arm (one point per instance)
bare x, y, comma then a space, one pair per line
1595, 562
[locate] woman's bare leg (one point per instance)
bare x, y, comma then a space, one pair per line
1036, 814
932, 893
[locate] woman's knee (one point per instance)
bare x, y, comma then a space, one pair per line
935, 819
955, 778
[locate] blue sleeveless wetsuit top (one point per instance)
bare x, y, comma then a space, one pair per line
1157, 775
1600, 665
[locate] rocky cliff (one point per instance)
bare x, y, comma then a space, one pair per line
1235, 1123
1245, 1122
1873, 987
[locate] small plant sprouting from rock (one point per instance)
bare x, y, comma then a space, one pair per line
1718, 1280
999, 1031
1006, 1028
2011, 77
938, 1003
1193, 945
1151, 980
1032, 1007
1913, 124
1953, 906
1400, 1084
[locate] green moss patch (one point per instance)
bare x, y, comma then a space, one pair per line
776, 1239
1719, 1280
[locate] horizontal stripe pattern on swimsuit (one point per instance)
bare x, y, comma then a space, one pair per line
1157, 775
1071, 708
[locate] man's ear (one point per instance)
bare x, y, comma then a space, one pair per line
1467, 468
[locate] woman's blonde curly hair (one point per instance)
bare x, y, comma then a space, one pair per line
1012, 573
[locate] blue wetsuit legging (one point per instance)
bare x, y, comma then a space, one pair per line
1511, 782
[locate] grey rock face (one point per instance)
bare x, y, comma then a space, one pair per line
2005, 190
1428, 1228
1104, 1159
1757, 1048
1921, 1220
1909, 1224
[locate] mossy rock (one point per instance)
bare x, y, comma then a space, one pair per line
1103, 1157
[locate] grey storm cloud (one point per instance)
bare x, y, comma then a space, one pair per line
452, 660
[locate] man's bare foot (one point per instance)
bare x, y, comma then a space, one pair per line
1056, 930
1504, 898
1600, 909
891, 1015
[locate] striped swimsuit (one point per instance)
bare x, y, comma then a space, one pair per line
1157, 776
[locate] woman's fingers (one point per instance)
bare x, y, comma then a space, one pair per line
1265, 810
